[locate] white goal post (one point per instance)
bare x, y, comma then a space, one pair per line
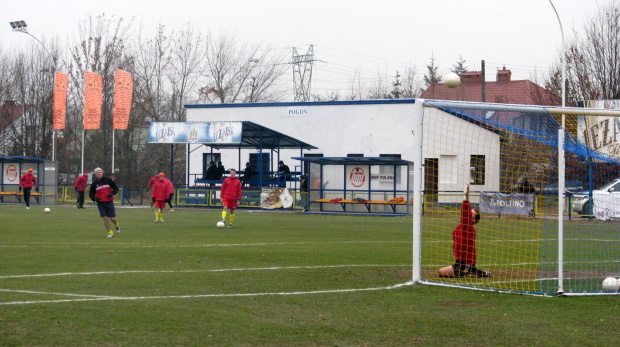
537, 234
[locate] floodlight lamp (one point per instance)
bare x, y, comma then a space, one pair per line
13, 25
23, 24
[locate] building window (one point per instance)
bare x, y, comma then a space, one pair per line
476, 170
397, 156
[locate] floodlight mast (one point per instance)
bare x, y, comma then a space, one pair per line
20, 26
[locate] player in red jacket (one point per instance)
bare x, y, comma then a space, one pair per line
25, 183
231, 195
162, 189
464, 244
80, 186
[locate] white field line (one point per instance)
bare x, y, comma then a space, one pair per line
197, 271
83, 297
42, 244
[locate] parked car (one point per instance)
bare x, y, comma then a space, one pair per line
604, 204
571, 187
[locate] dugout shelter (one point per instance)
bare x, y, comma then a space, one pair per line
46, 172
377, 185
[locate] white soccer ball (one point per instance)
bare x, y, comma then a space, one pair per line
220, 224
452, 80
611, 284
47, 210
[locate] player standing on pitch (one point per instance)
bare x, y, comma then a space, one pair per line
26, 182
464, 244
162, 189
80, 186
102, 191
231, 195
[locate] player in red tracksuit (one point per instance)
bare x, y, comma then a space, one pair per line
230, 194
80, 186
464, 244
25, 183
102, 191
162, 190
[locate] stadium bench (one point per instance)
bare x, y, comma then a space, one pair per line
18, 196
367, 203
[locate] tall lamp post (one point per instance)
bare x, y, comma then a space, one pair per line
20, 26
561, 166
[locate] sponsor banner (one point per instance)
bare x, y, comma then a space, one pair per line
59, 110
600, 133
10, 174
388, 177
498, 203
297, 111
123, 92
189, 132
93, 100
357, 177
605, 206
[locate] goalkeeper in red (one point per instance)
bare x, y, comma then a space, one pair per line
231, 195
464, 244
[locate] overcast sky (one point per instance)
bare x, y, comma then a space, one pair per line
348, 35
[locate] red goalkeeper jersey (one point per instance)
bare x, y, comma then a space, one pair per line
464, 236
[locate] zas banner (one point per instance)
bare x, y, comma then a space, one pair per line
61, 82
123, 92
93, 100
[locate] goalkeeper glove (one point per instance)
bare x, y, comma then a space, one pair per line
20, 188
110, 195
37, 189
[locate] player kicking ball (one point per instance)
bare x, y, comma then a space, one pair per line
230, 195
464, 244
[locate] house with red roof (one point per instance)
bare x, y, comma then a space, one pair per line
502, 90
10, 114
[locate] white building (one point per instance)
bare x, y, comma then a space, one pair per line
456, 151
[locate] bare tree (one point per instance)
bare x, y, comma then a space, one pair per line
592, 59
99, 47
240, 73
27, 81
184, 69
411, 83
380, 87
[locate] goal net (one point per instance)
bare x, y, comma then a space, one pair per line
548, 196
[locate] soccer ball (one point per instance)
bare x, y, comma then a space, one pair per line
220, 224
47, 210
452, 80
611, 284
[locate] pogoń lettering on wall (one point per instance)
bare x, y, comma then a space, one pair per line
195, 132
505, 204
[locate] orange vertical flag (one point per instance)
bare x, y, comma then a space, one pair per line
61, 82
93, 100
123, 92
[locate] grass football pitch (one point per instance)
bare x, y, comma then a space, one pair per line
275, 279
